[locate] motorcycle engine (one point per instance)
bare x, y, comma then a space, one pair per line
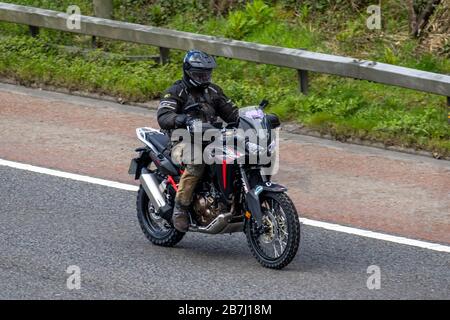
207, 208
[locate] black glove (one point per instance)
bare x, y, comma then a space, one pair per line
180, 120
183, 121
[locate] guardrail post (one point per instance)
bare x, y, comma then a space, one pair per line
303, 78
34, 31
164, 55
102, 9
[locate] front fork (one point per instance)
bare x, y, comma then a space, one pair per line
252, 194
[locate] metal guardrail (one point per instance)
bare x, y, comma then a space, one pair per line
301, 60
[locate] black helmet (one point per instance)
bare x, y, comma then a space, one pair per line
197, 68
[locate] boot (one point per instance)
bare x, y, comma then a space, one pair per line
180, 218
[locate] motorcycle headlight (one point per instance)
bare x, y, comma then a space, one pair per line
254, 148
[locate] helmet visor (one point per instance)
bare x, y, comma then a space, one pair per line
201, 76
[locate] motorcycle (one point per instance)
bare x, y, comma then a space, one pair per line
234, 194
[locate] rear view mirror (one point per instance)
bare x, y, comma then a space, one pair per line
264, 104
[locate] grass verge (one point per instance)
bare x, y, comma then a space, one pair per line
341, 107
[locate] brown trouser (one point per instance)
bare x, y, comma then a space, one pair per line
191, 176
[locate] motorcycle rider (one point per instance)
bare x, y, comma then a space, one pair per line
194, 87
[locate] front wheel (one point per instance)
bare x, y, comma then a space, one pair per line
155, 228
277, 244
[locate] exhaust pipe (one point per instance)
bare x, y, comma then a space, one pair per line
151, 186
216, 226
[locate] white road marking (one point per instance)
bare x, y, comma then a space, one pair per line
67, 175
376, 235
305, 221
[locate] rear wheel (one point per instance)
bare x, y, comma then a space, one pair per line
155, 228
277, 244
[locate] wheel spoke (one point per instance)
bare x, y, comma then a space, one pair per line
155, 223
275, 250
283, 244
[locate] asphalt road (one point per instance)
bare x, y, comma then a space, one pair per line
49, 223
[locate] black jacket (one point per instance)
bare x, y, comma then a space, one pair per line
212, 100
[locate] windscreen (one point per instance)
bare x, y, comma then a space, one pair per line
253, 122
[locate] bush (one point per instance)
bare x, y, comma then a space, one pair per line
256, 15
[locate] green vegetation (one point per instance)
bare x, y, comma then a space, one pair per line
343, 107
